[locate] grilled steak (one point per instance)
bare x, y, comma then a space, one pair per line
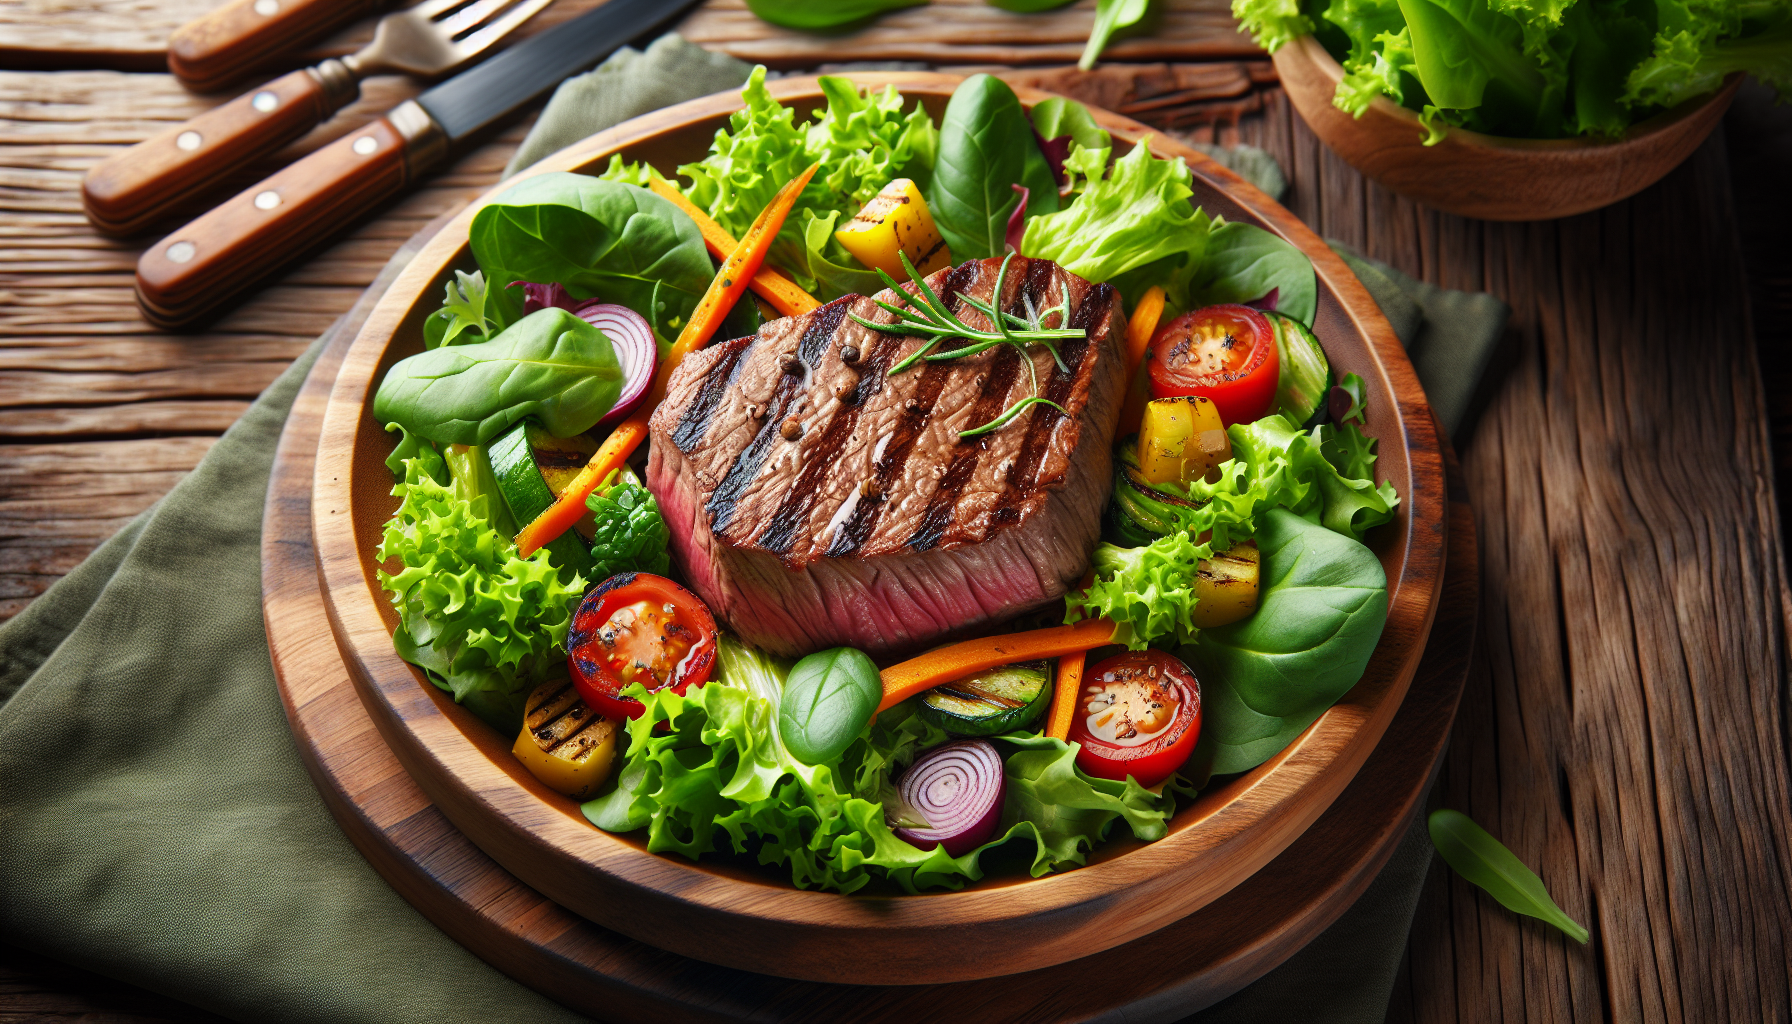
816, 500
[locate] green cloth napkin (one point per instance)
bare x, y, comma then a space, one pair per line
157, 826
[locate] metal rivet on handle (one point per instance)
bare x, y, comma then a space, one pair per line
182, 252
267, 8
265, 101
366, 144
267, 200
188, 141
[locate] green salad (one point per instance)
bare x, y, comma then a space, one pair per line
1538, 69
595, 606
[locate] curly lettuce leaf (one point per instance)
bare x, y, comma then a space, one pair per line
862, 140
1133, 229
463, 316
1699, 42
707, 771
1325, 476
473, 615
631, 535
1272, 23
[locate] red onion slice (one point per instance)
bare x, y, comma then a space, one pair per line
635, 350
1017, 221
958, 789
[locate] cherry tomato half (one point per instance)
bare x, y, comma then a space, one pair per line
1224, 353
1139, 714
638, 628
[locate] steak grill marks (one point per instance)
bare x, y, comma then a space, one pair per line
967, 453
1023, 477
790, 389
717, 383
852, 534
793, 512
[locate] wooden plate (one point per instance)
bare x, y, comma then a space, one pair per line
1195, 962
753, 921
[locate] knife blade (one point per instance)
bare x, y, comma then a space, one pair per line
192, 272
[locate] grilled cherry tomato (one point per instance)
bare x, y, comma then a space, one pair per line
638, 628
1139, 715
1224, 353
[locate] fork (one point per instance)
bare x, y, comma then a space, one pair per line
162, 175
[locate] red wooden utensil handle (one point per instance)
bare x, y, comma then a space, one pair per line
209, 52
160, 176
196, 268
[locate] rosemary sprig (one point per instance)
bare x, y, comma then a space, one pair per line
928, 317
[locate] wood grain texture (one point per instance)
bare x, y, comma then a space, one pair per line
1624, 734
1194, 962
133, 34
230, 41
1474, 175
990, 927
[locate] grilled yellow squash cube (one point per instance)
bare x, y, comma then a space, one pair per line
1182, 439
896, 221
564, 743
1226, 586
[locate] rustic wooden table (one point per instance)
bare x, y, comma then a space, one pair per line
1626, 726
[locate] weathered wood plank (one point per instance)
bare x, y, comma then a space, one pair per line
132, 34
1623, 734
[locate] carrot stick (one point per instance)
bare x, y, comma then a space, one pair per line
729, 284
1138, 336
775, 288
905, 679
1070, 680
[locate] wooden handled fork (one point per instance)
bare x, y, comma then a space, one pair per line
165, 175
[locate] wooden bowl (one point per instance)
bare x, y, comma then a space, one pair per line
1487, 176
753, 919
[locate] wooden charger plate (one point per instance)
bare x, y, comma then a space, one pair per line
754, 920
1192, 963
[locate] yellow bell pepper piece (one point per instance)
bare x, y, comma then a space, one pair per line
1226, 586
1181, 439
896, 221
564, 743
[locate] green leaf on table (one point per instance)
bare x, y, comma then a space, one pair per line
1110, 17
551, 365
821, 15
597, 239
1485, 862
986, 147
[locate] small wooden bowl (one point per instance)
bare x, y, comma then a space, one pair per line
719, 911
1487, 176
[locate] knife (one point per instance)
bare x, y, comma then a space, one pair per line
210, 52
194, 270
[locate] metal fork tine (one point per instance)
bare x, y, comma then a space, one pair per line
500, 26
429, 9
469, 17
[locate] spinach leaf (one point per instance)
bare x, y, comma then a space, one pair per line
551, 365
816, 15
986, 148
828, 699
1058, 117
1245, 263
598, 239
1264, 679
631, 535
1485, 862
